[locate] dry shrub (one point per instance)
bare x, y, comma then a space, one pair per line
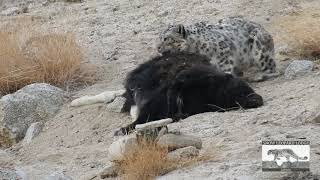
302, 33
60, 59
31, 57
150, 160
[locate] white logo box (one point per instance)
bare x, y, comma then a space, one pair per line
285, 155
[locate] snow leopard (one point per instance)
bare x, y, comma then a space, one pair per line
234, 45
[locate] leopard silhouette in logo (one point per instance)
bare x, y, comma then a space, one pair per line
287, 153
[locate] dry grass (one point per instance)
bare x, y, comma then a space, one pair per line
31, 57
150, 160
5, 140
302, 33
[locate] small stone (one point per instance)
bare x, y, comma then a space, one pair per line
96, 126
32, 132
70, 116
173, 141
175, 131
316, 118
290, 136
265, 134
153, 124
117, 104
163, 131
115, 9
109, 172
184, 153
298, 67
104, 97
163, 13
122, 146
25, 9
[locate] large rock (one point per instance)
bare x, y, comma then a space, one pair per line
184, 153
33, 103
122, 146
298, 67
174, 141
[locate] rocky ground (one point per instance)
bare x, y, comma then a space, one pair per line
119, 34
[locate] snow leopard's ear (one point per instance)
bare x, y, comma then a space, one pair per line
181, 30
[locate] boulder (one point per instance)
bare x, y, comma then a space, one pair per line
122, 146
298, 67
32, 132
174, 141
33, 103
184, 153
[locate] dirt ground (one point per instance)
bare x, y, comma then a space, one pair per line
119, 34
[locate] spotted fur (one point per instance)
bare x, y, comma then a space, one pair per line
233, 44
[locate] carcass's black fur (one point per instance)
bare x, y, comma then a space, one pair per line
178, 85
